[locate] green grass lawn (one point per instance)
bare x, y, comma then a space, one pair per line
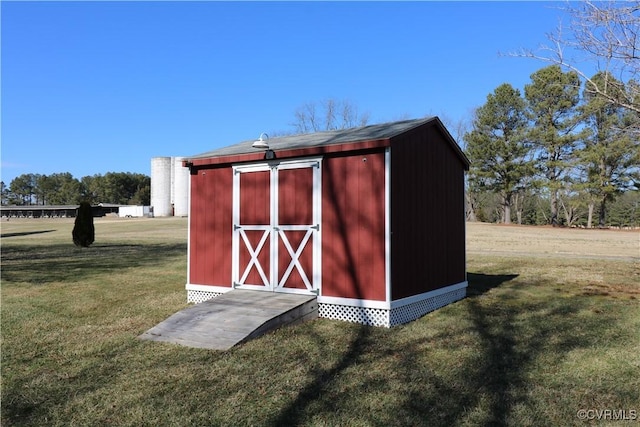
537, 340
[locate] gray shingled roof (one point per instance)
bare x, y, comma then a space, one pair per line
319, 139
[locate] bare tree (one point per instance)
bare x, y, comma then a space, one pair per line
605, 34
457, 129
330, 114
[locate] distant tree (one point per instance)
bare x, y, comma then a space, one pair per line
330, 114
473, 196
23, 188
83, 230
117, 187
142, 196
64, 189
624, 211
552, 98
497, 147
91, 188
121, 187
4, 193
610, 154
45, 188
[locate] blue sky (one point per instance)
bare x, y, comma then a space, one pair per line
93, 87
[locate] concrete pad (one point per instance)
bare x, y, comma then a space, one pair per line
233, 318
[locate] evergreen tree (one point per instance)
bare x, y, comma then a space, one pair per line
4, 193
610, 151
553, 97
23, 188
497, 147
83, 230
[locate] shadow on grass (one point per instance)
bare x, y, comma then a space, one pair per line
480, 283
361, 344
511, 336
24, 233
65, 262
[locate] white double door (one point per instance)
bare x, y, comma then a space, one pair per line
276, 226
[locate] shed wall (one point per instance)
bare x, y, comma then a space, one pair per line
353, 226
427, 221
211, 227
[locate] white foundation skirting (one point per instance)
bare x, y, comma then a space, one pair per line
385, 317
392, 316
201, 296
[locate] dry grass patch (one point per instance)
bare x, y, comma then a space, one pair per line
553, 242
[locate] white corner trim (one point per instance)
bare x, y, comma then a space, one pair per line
189, 229
387, 223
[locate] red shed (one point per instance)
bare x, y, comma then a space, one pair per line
371, 220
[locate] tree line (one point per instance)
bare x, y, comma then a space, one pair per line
124, 188
567, 150
560, 144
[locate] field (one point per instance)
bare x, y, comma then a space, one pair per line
549, 335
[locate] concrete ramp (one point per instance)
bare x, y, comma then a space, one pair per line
233, 318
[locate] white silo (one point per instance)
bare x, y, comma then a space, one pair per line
161, 186
180, 188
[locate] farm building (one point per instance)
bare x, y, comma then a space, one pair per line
371, 220
134, 211
55, 211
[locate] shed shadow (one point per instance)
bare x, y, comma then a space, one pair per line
480, 283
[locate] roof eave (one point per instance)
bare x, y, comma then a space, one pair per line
290, 153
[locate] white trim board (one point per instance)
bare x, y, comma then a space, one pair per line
385, 305
208, 288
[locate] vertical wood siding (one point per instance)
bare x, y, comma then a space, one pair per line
211, 227
427, 221
295, 192
353, 226
255, 194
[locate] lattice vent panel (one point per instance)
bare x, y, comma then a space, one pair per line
201, 296
418, 309
364, 315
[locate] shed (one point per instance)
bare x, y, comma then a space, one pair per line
370, 219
